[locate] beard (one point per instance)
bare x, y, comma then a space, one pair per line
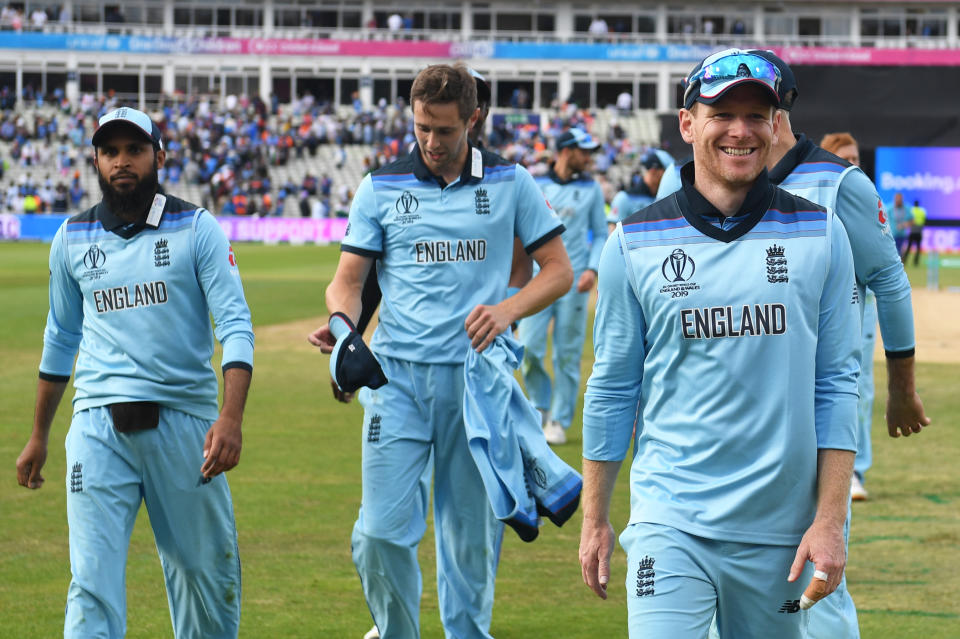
130, 205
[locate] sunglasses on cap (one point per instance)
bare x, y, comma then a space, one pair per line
722, 71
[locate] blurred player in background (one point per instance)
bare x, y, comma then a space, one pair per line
643, 190
133, 283
578, 200
439, 224
845, 147
725, 336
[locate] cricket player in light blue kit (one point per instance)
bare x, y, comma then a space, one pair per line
642, 194
578, 200
727, 337
803, 168
133, 282
439, 225
845, 147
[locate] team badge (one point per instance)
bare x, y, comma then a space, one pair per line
777, 265
161, 253
76, 478
406, 207
94, 259
482, 202
880, 213
678, 269
231, 257
373, 429
645, 577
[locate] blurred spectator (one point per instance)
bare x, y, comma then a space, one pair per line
598, 27
395, 23
38, 19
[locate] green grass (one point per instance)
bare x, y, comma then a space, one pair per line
297, 490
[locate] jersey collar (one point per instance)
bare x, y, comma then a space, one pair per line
472, 171
110, 221
699, 212
552, 174
641, 189
792, 159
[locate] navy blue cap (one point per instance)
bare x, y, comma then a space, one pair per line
577, 138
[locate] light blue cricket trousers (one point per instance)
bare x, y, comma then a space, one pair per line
419, 412
864, 458
108, 474
569, 315
677, 584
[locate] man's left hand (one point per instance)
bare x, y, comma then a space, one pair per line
905, 414
822, 544
484, 323
586, 281
221, 448
323, 339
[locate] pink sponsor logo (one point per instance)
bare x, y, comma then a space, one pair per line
272, 230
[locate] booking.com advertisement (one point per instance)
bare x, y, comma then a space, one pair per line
931, 176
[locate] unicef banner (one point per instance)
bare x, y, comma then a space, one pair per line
225, 46
837, 56
930, 175
270, 230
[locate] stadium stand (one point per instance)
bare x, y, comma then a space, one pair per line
544, 63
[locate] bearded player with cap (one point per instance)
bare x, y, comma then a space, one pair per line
133, 283
727, 338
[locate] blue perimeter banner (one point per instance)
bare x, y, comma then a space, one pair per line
253, 46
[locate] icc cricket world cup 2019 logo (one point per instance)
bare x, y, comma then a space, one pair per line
406, 206
678, 267
94, 260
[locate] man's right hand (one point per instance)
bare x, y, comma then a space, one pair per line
596, 548
30, 462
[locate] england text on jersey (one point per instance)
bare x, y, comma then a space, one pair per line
719, 321
119, 298
428, 251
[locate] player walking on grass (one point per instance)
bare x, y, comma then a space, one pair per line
439, 225
133, 282
578, 200
803, 168
727, 334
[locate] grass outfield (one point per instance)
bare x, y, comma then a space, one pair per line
297, 490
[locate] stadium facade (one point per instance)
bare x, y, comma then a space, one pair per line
543, 54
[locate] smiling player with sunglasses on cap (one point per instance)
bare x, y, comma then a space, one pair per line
726, 338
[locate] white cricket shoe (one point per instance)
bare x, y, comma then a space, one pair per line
857, 491
373, 633
544, 417
554, 433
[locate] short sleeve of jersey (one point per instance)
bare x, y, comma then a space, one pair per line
61, 337
219, 278
536, 223
612, 398
838, 349
876, 259
364, 233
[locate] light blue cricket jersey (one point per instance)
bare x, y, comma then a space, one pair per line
736, 344
441, 251
579, 204
136, 301
627, 202
816, 175
812, 173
